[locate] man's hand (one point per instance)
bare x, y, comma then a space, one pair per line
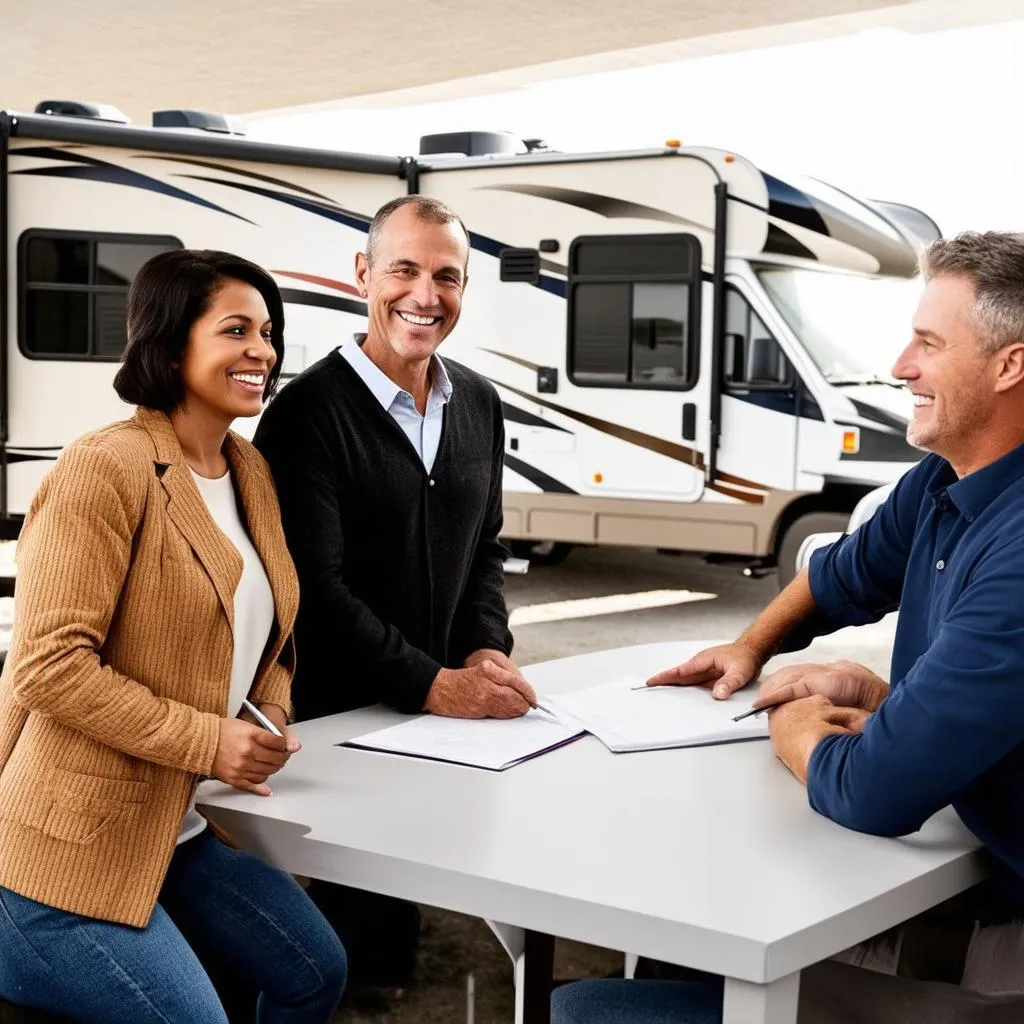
798, 727
484, 690
845, 683
500, 658
247, 755
724, 670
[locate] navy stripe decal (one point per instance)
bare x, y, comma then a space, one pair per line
882, 416
12, 457
87, 169
340, 216
516, 415
538, 477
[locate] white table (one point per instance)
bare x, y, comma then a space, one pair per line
706, 857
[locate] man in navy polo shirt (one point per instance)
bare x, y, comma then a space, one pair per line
947, 550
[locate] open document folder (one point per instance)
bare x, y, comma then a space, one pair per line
622, 717
625, 718
495, 743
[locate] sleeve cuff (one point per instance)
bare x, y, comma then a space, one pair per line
275, 688
417, 676
820, 783
204, 750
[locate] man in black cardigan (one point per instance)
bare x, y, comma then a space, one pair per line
388, 464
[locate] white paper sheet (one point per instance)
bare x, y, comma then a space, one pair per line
480, 742
627, 719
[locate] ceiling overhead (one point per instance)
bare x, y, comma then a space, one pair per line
238, 56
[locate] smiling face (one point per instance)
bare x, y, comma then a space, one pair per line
228, 355
946, 369
413, 287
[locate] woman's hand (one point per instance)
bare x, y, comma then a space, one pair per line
247, 755
279, 717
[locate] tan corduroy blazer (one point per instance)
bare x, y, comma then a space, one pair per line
120, 664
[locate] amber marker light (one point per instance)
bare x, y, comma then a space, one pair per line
729, 158
851, 442
598, 478
673, 143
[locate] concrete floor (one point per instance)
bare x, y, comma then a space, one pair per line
453, 946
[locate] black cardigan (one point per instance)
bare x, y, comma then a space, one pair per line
400, 571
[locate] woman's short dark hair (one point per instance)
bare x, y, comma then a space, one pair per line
169, 294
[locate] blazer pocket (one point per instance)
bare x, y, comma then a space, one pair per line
83, 807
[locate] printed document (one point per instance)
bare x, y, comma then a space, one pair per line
625, 718
479, 742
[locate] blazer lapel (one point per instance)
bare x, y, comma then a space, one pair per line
187, 510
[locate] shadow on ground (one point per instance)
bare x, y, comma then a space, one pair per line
452, 946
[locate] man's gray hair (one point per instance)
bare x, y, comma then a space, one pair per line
433, 211
994, 262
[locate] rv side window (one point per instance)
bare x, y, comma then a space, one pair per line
633, 312
74, 289
753, 360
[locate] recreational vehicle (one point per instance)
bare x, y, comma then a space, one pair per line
691, 352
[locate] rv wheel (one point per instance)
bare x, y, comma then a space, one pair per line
799, 530
541, 552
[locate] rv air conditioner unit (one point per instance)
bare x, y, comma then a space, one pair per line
76, 108
198, 119
471, 144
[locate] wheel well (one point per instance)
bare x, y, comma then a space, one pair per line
834, 498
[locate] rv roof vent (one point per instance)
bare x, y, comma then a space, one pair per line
199, 119
76, 108
471, 143
520, 265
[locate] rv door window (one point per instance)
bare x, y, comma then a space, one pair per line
632, 310
74, 290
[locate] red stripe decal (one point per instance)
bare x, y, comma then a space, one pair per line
325, 282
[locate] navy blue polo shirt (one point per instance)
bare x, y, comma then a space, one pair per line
950, 555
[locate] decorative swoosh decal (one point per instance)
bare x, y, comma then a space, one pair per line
212, 166
330, 211
513, 414
87, 168
604, 206
326, 282
658, 445
512, 359
538, 477
304, 297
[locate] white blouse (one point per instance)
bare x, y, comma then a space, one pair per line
253, 607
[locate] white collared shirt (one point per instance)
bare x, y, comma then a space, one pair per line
424, 432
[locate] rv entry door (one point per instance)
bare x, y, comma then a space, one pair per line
759, 402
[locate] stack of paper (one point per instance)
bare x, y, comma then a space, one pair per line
479, 742
626, 718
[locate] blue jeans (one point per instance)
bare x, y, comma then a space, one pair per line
222, 904
638, 1002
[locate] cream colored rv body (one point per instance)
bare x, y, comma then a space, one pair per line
689, 350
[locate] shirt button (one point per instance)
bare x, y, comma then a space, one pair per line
432, 481
940, 565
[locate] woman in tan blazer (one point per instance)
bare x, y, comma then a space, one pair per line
154, 593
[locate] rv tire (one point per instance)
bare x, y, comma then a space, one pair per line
798, 531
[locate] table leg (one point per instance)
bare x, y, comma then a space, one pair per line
539, 973
775, 1003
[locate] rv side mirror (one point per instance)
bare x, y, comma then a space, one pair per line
767, 363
